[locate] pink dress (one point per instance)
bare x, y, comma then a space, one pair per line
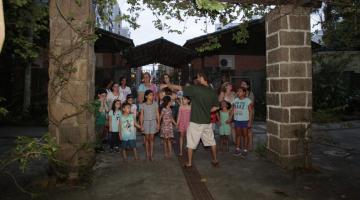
166, 124
184, 118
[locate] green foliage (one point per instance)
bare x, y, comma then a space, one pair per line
211, 44
342, 24
3, 111
104, 8
28, 149
329, 87
260, 149
211, 5
241, 36
26, 24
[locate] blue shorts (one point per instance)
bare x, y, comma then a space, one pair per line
241, 124
128, 144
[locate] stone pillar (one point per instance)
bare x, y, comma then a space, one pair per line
71, 83
289, 84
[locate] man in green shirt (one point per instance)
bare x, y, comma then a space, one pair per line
203, 102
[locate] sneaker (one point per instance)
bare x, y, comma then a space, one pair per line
245, 152
237, 153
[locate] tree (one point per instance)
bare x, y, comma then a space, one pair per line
341, 24
26, 34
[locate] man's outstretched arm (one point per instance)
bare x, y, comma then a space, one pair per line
173, 87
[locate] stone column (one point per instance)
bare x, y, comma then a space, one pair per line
289, 84
71, 83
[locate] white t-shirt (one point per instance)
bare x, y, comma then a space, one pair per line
123, 93
110, 98
134, 110
241, 109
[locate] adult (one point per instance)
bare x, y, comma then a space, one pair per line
163, 91
123, 90
113, 94
203, 102
146, 85
227, 94
250, 95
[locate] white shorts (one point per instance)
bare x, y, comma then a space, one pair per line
195, 132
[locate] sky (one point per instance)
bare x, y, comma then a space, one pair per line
147, 32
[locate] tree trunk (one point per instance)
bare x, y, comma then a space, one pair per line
27, 87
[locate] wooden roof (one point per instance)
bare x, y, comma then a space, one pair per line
159, 51
109, 42
255, 45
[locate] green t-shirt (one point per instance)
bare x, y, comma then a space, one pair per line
202, 100
100, 117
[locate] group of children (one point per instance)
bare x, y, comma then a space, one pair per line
123, 120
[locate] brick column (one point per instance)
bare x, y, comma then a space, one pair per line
289, 84
71, 83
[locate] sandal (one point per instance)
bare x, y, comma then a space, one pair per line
186, 166
215, 164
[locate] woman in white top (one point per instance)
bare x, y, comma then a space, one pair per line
113, 94
123, 90
227, 93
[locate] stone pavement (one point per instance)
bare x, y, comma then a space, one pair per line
336, 159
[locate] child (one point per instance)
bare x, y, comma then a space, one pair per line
133, 109
242, 112
167, 122
100, 115
114, 124
214, 120
224, 129
149, 122
183, 120
127, 131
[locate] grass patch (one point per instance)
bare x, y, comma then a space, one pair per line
260, 149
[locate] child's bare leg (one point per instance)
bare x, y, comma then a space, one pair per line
238, 138
151, 137
250, 136
246, 138
169, 146
181, 142
135, 154
165, 145
124, 154
221, 143
227, 143
147, 146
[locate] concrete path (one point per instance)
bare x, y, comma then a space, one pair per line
336, 160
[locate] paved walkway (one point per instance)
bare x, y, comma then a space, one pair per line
336, 159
